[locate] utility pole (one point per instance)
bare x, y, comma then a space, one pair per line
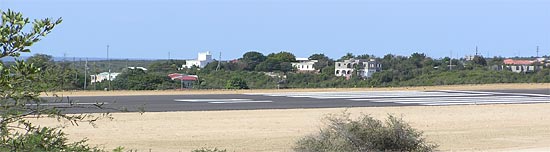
537, 51
75, 80
63, 74
109, 62
451, 61
476, 50
85, 73
219, 61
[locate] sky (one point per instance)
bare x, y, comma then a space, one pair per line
139, 29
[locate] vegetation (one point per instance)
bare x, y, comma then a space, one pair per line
20, 86
209, 150
365, 134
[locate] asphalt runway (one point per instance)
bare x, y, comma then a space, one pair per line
297, 100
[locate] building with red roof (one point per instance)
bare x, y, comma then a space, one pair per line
186, 80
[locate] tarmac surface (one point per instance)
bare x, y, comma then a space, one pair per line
295, 100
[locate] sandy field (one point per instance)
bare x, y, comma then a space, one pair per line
516, 127
421, 88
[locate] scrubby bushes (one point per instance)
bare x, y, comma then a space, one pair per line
365, 134
45, 140
209, 150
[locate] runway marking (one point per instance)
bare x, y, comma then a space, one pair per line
223, 101
370, 94
262, 101
498, 93
431, 98
209, 100
65, 104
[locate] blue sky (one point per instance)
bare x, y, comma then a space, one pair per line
151, 29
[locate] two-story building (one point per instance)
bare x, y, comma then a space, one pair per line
203, 59
365, 67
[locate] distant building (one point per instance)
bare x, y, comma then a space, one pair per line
366, 67
103, 76
186, 80
522, 66
304, 65
203, 59
141, 68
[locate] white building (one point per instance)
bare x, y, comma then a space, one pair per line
141, 68
304, 64
103, 76
366, 67
522, 66
203, 59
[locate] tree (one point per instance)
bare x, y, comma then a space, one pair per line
18, 89
364, 56
346, 57
479, 60
42, 61
269, 65
322, 61
252, 59
282, 57
166, 66
236, 83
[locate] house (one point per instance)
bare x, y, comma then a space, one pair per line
103, 76
521, 66
304, 65
203, 59
141, 68
186, 80
366, 67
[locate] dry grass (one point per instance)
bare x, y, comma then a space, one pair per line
175, 92
455, 128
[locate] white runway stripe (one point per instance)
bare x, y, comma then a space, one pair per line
499, 93
480, 103
223, 102
209, 100
66, 104
442, 97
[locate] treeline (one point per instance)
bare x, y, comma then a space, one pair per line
255, 70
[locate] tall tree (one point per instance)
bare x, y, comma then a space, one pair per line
42, 61
252, 59
347, 57
18, 89
322, 61
479, 60
283, 57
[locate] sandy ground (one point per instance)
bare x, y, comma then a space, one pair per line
455, 128
425, 88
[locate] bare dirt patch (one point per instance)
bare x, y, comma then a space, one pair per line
454, 128
421, 88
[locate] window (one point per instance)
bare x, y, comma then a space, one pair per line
337, 71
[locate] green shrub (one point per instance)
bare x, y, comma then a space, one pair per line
365, 134
44, 140
209, 150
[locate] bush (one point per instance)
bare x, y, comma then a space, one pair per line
364, 134
44, 139
209, 150
236, 83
